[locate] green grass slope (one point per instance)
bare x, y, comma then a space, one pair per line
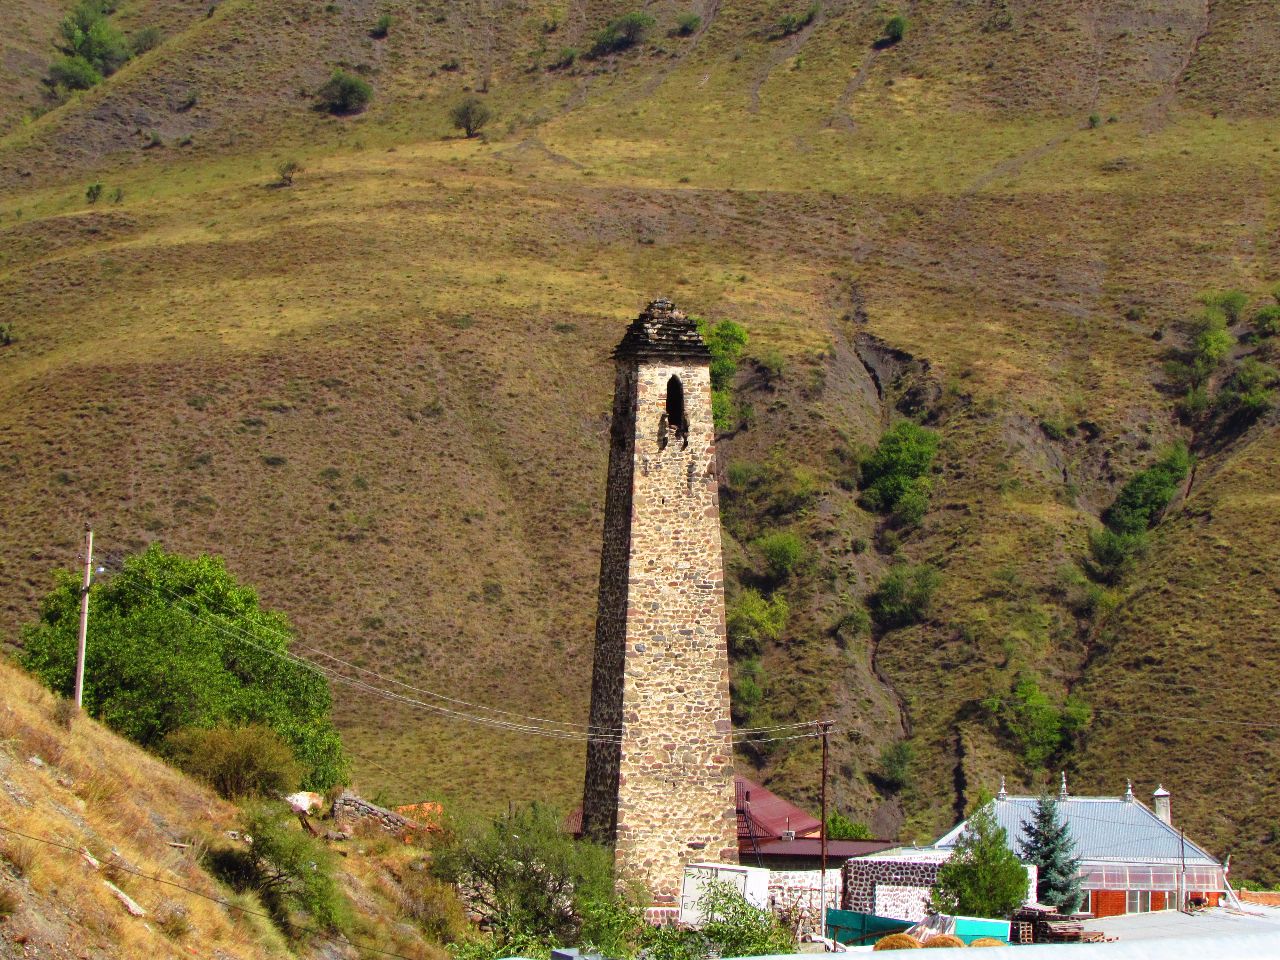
383, 392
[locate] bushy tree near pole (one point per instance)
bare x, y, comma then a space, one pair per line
983, 878
1048, 844
176, 642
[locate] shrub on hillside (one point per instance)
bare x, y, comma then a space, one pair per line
1145, 496
746, 690
148, 38
526, 878
344, 93
784, 554
895, 765
1211, 342
87, 33
753, 619
726, 340
687, 24
470, 116
795, 22
381, 27
93, 192
895, 28
290, 871
904, 595
624, 32
73, 73
178, 643
1112, 555
247, 761
1266, 322
1043, 729
895, 476
286, 170
1249, 393
1230, 302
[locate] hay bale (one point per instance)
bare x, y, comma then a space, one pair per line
944, 940
988, 942
897, 941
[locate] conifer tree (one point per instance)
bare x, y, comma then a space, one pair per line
983, 878
1048, 844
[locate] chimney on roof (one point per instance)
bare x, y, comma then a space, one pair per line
1161, 801
1003, 794
1128, 791
1062, 792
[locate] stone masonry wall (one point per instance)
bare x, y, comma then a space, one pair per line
604, 753
350, 810
796, 896
905, 884
662, 667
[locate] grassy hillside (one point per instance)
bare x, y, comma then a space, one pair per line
86, 810
382, 392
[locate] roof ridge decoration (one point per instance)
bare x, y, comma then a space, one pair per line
662, 331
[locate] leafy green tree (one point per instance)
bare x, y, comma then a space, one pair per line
1140, 502
526, 878
840, 827
895, 477
904, 595
345, 93
470, 116
753, 619
983, 877
175, 642
1047, 843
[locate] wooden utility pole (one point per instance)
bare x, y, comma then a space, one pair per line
825, 727
84, 614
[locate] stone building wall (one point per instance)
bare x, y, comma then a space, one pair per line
897, 886
664, 795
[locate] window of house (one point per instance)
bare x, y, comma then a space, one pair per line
1086, 902
1138, 901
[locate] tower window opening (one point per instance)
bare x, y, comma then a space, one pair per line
676, 418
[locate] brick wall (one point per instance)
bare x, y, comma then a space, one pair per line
796, 896
1269, 898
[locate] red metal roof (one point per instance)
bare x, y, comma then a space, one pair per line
766, 814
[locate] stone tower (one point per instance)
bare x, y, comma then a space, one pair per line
659, 786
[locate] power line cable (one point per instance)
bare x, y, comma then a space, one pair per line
236, 633
606, 731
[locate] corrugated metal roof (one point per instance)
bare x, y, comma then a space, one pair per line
1104, 829
769, 813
